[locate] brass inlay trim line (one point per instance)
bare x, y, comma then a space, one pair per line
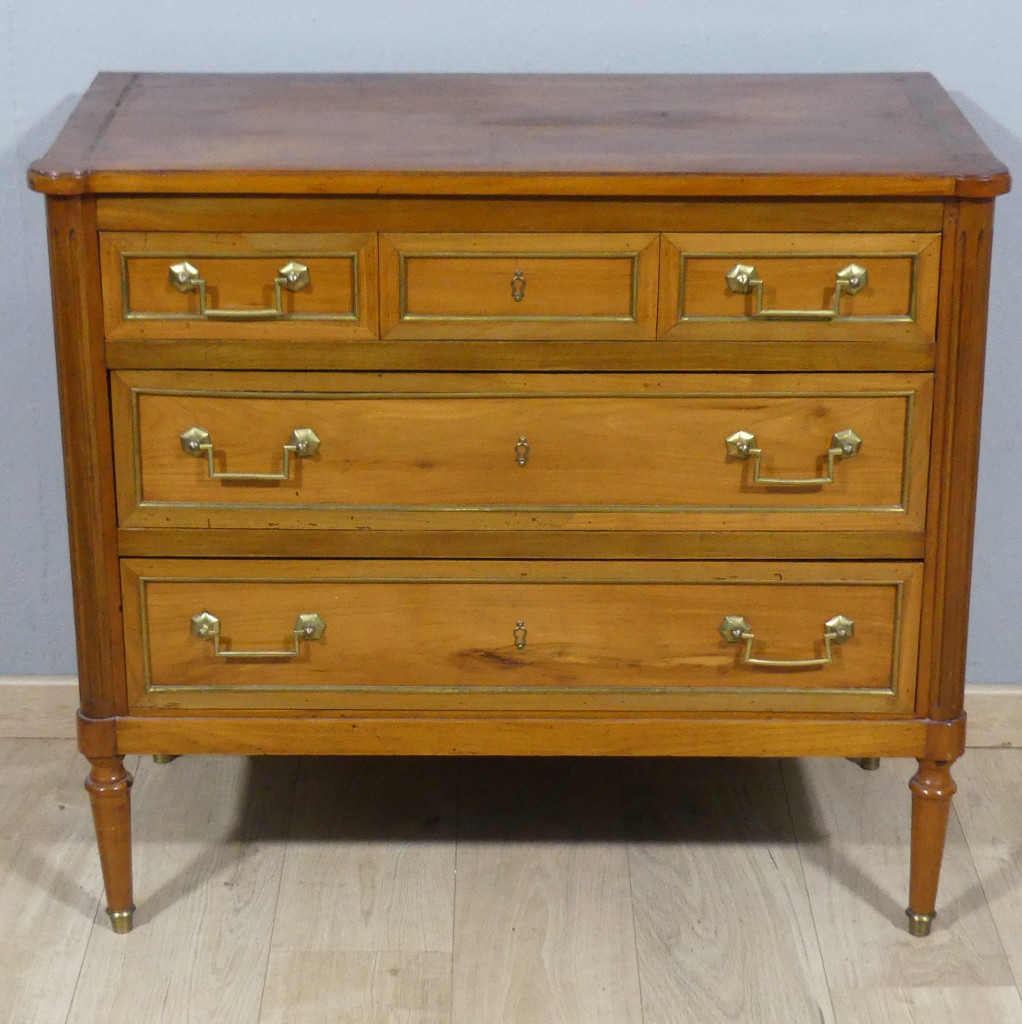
353, 317
609, 509
141, 503
910, 317
890, 690
405, 317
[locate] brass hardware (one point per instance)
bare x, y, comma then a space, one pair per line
184, 277
293, 277
164, 758
735, 629
742, 279
919, 924
631, 317
303, 442
880, 689
518, 286
742, 445
308, 626
121, 920
520, 633
867, 764
522, 451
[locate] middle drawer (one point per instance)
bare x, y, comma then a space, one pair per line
528, 451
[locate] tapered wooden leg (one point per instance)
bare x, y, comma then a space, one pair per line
932, 789
109, 788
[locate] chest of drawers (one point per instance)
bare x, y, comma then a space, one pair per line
536, 415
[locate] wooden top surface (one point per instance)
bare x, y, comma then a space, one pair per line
667, 135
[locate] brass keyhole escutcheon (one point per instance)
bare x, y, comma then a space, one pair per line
518, 286
520, 633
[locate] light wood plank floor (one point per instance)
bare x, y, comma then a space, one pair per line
503, 891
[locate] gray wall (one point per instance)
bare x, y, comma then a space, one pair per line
50, 50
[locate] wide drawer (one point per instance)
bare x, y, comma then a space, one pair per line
791, 287
547, 286
526, 635
238, 286
812, 451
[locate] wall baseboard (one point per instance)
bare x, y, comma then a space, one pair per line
43, 707
38, 707
995, 715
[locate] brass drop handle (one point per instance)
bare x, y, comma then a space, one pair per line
518, 286
303, 442
293, 277
743, 279
522, 451
735, 629
742, 445
308, 626
520, 634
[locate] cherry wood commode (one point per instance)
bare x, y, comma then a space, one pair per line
546, 415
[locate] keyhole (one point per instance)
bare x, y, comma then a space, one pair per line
520, 633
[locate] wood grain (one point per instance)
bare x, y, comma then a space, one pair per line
751, 734
109, 789
589, 286
992, 822
409, 541
856, 863
932, 789
966, 1004
592, 635
506, 134
897, 304
724, 929
767, 162
487, 355
313, 986
208, 854
239, 268
543, 924
440, 450
49, 879
372, 844
968, 241
88, 453
480, 213
685, 816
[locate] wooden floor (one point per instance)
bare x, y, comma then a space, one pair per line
288, 891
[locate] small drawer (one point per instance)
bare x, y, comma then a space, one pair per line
810, 451
545, 286
244, 287
521, 636
799, 287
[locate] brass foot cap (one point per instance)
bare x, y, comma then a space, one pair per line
122, 920
164, 758
919, 924
869, 764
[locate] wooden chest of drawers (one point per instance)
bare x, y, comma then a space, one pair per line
520, 415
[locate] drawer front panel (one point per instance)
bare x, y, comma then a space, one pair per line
780, 287
519, 286
239, 286
543, 445
520, 635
